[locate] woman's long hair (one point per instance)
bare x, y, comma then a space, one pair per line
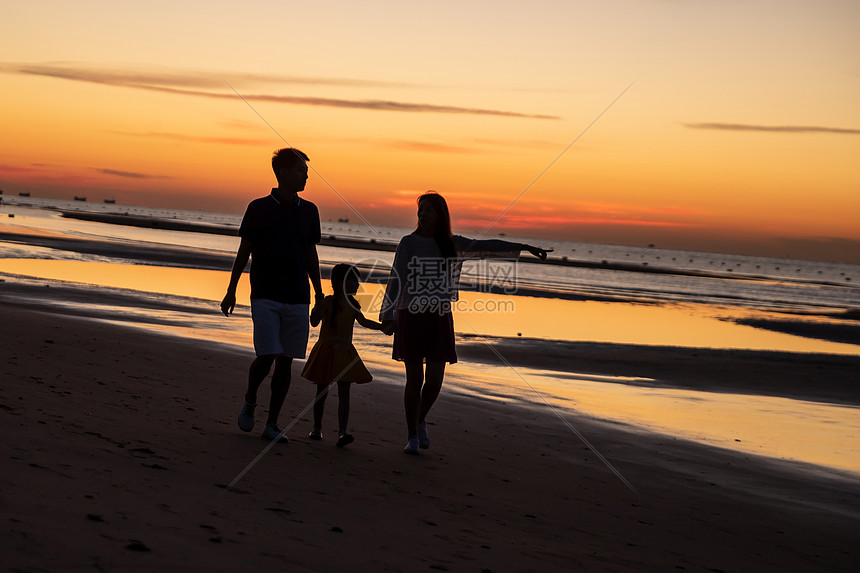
339, 274
443, 236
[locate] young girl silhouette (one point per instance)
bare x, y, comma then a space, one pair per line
333, 357
418, 301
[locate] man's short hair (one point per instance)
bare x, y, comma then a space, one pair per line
287, 158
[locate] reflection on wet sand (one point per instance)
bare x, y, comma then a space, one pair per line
192, 283
761, 425
689, 325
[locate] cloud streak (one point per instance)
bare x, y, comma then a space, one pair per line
50, 170
169, 77
425, 146
773, 128
560, 221
379, 105
195, 84
126, 174
18, 169
470, 209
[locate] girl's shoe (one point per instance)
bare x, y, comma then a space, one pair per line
412, 446
272, 432
315, 435
344, 440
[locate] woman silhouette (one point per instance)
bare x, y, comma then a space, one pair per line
417, 308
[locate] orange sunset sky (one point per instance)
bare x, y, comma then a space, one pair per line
740, 132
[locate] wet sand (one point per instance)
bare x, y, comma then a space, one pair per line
118, 445
815, 377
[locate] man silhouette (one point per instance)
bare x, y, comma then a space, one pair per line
279, 234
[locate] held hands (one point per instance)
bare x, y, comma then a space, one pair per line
317, 310
318, 300
538, 252
388, 327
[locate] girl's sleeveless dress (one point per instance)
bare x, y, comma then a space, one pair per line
334, 353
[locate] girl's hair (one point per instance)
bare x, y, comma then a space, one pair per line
443, 236
339, 275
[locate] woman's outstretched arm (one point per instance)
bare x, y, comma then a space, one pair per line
494, 248
537, 251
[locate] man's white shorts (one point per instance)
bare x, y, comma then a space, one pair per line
280, 328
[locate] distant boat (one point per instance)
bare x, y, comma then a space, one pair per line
110, 201
80, 198
24, 194
344, 220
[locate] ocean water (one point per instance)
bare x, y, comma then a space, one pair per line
782, 285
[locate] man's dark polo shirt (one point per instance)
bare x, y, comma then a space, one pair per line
280, 235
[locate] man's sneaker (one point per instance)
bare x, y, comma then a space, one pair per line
412, 446
246, 417
423, 438
315, 435
344, 440
271, 432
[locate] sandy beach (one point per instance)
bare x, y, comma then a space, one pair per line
119, 444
